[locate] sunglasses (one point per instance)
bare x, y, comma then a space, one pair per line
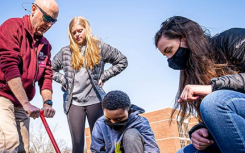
46, 17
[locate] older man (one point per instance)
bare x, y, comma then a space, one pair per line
24, 60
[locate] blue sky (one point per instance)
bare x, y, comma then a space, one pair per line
130, 27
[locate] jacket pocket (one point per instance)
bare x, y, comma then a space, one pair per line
65, 95
100, 90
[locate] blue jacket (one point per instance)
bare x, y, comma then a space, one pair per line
104, 137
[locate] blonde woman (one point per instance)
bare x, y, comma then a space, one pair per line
83, 65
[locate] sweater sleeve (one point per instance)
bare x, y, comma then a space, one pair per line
10, 57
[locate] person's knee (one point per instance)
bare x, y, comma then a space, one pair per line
216, 103
219, 97
209, 105
214, 100
14, 139
133, 141
131, 135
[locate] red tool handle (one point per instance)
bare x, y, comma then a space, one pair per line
49, 132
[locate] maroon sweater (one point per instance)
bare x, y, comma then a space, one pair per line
23, 56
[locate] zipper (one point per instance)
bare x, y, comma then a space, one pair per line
36, 71
72, 87
33, 82
92, 81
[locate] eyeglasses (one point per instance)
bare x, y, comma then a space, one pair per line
46, 17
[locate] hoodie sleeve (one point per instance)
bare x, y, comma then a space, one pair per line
97, 144
10, 56
150, 144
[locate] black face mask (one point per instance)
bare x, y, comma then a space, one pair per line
118, 125
179, 60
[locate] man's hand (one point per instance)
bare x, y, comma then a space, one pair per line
18, 90
31, 111
193, 92
48, 111
199, 139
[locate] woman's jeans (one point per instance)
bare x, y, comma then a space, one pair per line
213, 148
223, 113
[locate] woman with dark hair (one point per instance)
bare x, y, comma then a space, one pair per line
83, 63
211, 82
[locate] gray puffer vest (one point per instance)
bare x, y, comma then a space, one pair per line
62, 60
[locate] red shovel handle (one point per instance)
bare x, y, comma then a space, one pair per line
49, 132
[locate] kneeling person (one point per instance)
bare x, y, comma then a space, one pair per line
122, 125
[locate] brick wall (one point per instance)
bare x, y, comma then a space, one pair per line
167, 136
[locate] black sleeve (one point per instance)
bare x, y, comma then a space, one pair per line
231, 43
196, 127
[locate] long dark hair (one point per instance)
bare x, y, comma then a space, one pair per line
202, 64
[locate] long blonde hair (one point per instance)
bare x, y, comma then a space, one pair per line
92, 54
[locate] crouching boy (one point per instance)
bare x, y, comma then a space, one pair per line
122, 128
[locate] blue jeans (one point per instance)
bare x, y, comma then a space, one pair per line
213, 148
223, 113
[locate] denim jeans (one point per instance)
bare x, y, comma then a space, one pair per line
223, 113
213, 148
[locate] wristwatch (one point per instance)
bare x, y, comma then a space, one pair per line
49, 102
